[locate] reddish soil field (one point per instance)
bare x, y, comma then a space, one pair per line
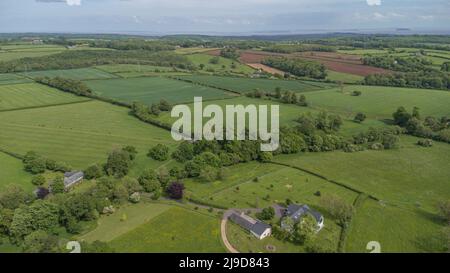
266, 68
338, 62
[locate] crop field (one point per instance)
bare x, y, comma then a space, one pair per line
396, 229
152, 90
12, 172
343, 77
30, 95
222, 65
92, 129
176, 230
13, 52
381, 102
244, 85
111, 226
76, 74
12, 79
275, 182
125, 68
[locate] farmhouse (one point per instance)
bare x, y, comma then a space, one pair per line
72, 178
296, 212
259, 229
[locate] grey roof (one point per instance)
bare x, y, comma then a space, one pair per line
297, 211
256, 226
72, 177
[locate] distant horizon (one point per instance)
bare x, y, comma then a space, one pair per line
216, 17
393, 31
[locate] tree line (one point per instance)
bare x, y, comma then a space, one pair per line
86, 58
297, 67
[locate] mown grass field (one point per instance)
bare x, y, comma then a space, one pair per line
111, 226
12, 79
381, 102
78, 134
12, 172
244, 85
25, 95
176, 230
223, 65
152, 90
239, 188
76, 74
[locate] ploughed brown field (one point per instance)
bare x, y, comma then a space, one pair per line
342, 63
338, 62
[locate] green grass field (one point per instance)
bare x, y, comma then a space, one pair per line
223, 65
244, 85
288, 113
111, 226
12, 79
12, 172
396, 229
14, 55
343, 77
408, 176
176, 230
76, 74
79, 134
152, 90
33, 95
381, 102
192, 50
239, 189
116, 68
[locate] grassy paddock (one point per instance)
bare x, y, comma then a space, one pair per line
176, 230
12, 172
110, 227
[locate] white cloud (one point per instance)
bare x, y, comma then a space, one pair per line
73, 2
373, 2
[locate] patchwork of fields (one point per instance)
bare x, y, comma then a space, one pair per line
404, 184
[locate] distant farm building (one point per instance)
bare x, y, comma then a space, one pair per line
259, 229
72, 178
296, 212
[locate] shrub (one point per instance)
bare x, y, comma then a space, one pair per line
425, 142
175, 190
159, 152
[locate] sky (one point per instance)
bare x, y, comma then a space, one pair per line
244, 17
